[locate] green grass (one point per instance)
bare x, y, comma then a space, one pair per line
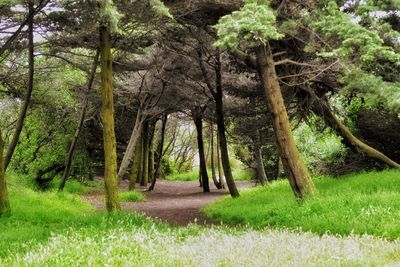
132, 196
359, 203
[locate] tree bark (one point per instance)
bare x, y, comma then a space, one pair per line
145, 171
68, 161
322, 109
262, 176
218, 183
297, 173
160, 147
151, 152
107, 116
5, 209
130, 149
221, 133
200, 144
136, 165
28, 93
220, 173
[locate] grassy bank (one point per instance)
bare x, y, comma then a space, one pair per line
360, 203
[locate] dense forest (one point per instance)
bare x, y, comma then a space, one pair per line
123, 124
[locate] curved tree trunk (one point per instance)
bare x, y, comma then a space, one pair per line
4, 199
223, 144
136, 165
322, 109
217, 183
261, 175
29, 89
160, 147
145, 170
130, 149
297, 173
107, 116
220, 172
200, 144
68, 161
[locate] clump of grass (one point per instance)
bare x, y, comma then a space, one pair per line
186, 176
132, 196
359, 203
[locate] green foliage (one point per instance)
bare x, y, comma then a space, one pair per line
109, 15
132, 196
361, 44
254, 23
321, 150
359, 203
243, 174
186, 176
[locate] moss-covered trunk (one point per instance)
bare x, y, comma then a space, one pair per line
297, 173
107, 116
322, 109
4, 199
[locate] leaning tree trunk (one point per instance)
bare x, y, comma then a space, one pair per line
220, 174
136, 165
145, 171
297, 173
221, 133
200, 144
160, 147
261, 175
29, 89
107, 116
68, 161
133, 140
322, 109
4, 199
217, 183
151, 152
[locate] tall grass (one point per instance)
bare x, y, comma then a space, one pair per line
359, 203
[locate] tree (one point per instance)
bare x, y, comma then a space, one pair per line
198, 121
4, 199
107, 110
258, 32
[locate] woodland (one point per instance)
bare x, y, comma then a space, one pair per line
200, 133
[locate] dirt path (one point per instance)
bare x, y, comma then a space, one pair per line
177, 203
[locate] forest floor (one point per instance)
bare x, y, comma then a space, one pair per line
174, 202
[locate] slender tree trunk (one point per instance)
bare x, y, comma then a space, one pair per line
145, 171
140, 174
136, 165
107, 116
223, 144
160, 148
297, 173
130, 149
323, 110
262, 176
29, 89
5, 209
151, 152
200, 143
68, 161
217, 183
220, 172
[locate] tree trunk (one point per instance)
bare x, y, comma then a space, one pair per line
29, 89
220, 174
136, 165
145, 171
160, 148
130, 149
262, 176
68, 161
151, 152
200, 144
217, 183
322, 109
221, 133
5, 209
107, 116
297, 173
